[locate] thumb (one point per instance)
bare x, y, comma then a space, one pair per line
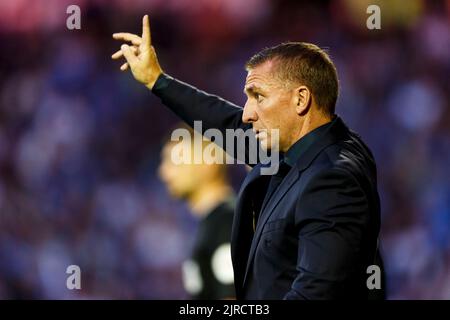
129, 55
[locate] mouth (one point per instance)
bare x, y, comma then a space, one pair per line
260, 133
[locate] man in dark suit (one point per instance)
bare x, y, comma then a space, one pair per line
311, 230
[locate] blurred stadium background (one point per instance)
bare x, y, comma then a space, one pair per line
80, 141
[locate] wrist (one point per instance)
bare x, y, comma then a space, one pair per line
150, 84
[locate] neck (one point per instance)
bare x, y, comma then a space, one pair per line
208, 196
312, 121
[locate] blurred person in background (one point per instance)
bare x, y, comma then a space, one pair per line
208, 274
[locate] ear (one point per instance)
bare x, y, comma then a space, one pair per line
302, 99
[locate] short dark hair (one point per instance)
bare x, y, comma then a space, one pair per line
303, 63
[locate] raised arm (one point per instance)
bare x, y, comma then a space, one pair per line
186, 101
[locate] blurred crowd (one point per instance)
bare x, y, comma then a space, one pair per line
80, 141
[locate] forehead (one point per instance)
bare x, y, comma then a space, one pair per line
261, 74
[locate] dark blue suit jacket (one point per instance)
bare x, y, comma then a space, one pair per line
318, 232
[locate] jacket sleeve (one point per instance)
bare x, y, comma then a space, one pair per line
191, 104
331, 217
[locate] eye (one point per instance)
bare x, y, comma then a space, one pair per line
258, 97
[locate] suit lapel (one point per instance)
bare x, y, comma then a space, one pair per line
254, 174
242, 235
268, 209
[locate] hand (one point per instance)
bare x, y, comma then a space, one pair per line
140, 56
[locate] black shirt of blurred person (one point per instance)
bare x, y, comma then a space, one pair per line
209, 272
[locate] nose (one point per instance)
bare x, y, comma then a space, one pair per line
249, 115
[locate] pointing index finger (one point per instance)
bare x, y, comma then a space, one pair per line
146, 38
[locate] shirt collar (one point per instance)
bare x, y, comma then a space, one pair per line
298, 148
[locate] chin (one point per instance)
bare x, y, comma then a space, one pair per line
266, 141
265, 145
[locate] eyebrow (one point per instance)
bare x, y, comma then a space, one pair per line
251, 90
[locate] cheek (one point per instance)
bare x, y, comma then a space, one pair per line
272, 113
278, 115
